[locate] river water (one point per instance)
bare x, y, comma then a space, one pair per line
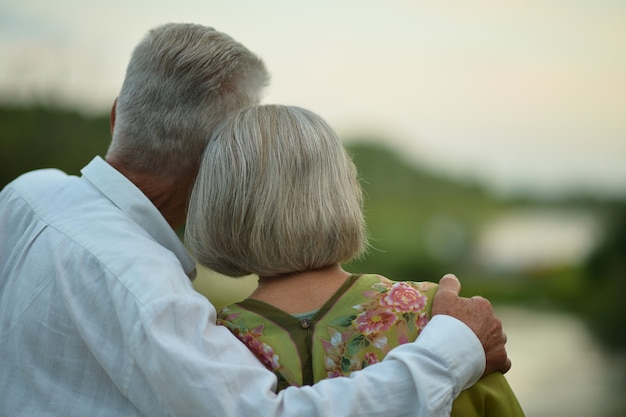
558, 369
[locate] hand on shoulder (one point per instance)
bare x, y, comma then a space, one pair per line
477, 313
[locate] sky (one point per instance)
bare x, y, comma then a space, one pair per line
518, 95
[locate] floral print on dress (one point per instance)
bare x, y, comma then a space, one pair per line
392, 309
252, 339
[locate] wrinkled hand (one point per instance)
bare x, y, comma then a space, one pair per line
477, 313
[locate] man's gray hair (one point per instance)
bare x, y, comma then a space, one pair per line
182, 79
276, 193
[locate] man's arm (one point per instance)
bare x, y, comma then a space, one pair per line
415, 379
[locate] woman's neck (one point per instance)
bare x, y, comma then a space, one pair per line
301, 292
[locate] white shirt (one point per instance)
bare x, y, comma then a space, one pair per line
98, 317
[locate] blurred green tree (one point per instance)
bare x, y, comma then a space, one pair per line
605, 275
38, 137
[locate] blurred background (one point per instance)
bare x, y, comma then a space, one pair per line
490, 137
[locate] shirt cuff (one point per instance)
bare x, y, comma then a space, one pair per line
458, 346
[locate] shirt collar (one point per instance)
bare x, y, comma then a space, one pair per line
125, 195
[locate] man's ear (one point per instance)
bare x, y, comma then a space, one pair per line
112, 117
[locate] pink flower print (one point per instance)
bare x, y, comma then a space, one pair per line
374, 321
266, 354
372, 294
334, 374
371, 358
226, 315
402, 297
263, 351
421, 321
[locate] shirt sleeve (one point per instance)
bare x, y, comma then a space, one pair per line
202, 369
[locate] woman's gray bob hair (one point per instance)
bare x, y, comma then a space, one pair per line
276, 193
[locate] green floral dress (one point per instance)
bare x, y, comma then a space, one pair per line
365, 318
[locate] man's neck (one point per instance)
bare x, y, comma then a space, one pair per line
169, 195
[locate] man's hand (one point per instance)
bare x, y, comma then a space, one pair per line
478, 315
